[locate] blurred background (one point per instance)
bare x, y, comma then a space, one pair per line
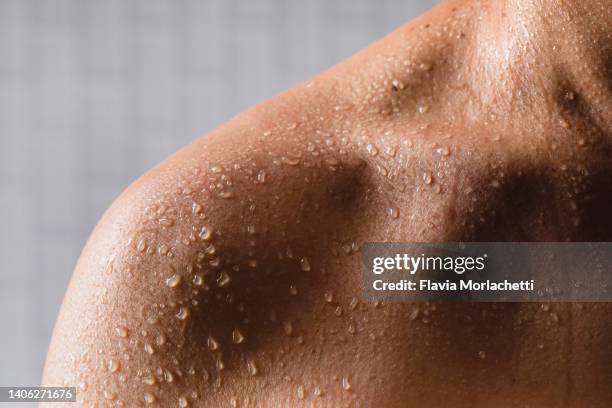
95, 92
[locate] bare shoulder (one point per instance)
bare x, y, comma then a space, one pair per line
212, 244
189, 261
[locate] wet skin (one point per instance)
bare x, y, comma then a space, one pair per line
229, 274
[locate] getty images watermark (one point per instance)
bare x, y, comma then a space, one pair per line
488, 272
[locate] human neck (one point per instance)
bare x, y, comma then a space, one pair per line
541, 49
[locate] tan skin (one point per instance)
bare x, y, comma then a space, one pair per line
481, 120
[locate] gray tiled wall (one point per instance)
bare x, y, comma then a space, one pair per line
95, 92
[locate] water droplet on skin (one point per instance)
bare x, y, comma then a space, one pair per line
220, 365
173, 281
251, 229
540, 346
183, 313
163, 250
223, 280
237, 336
198, 279
305, 264
212, 343
121, 331
168, 376
397, 84
482, 354
394, 212
495, 184
427, 178
353, 303
443, 151
423, 108
149, 398
149, 348
205, 233
300, 392
113, 365
373, 150
196, 209
150, 380
142, 245
252, 367
346, 384
425, 66
110, 395
261, 176
293, 290
291, 161
166, 222
414, 313
382, 170
183, 403
338, 311
160, 339
317, 392
351, 329
329, 297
